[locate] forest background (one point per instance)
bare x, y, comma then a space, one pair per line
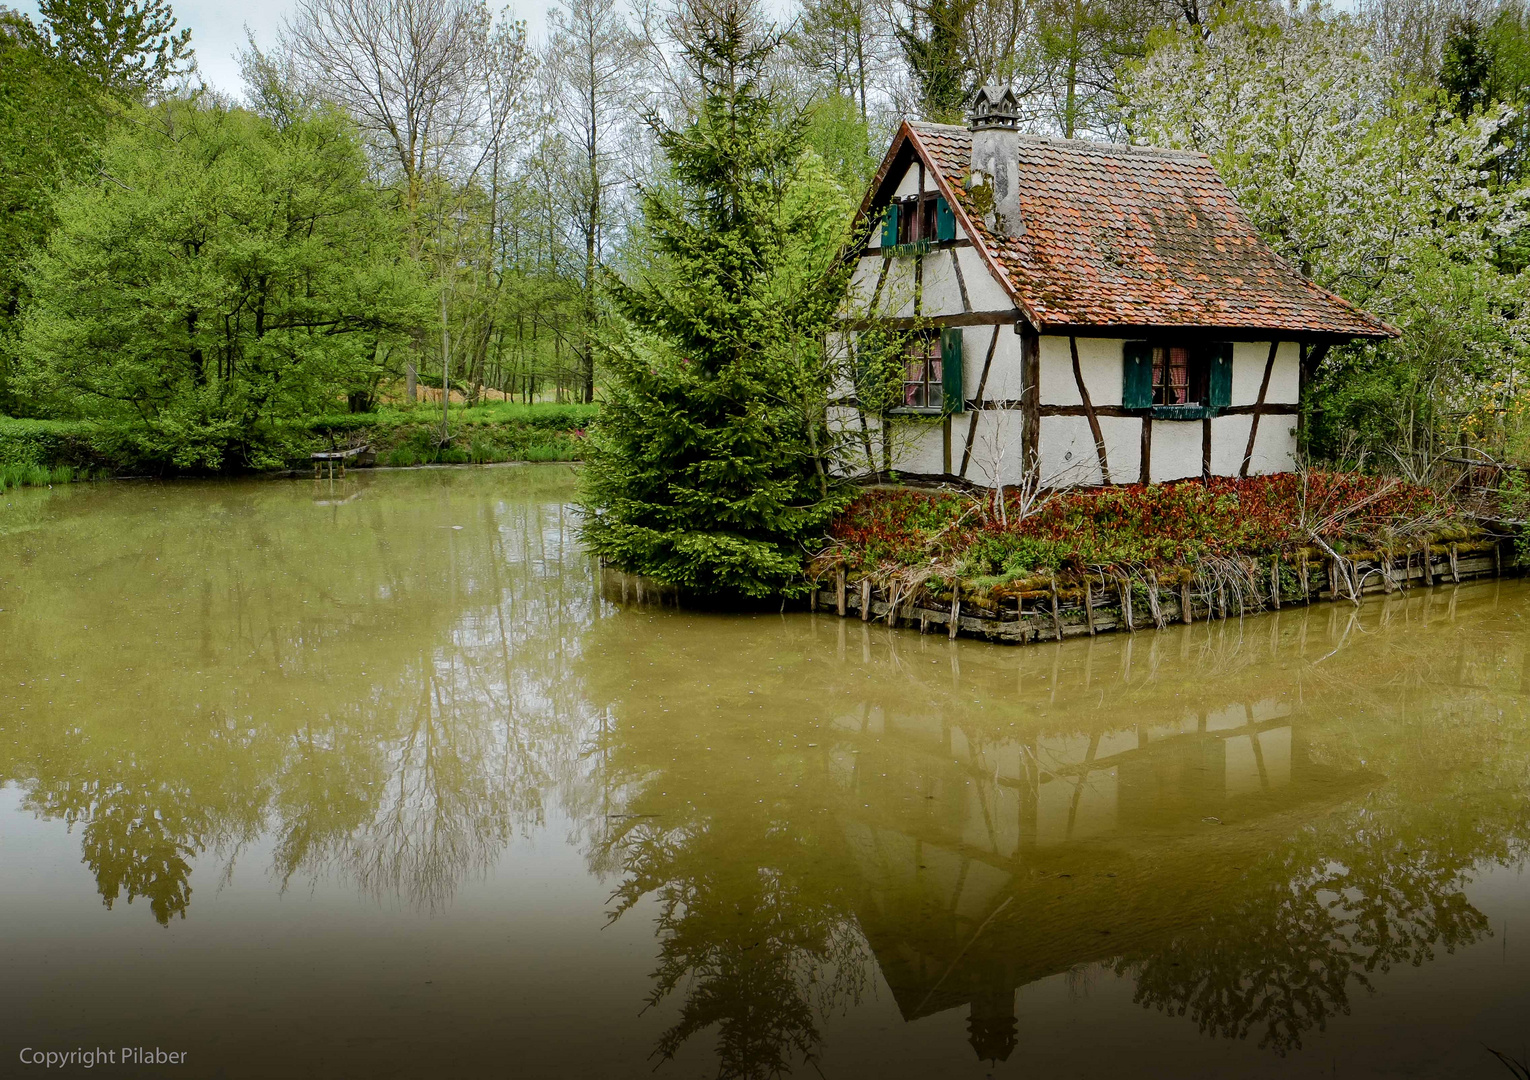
406, 193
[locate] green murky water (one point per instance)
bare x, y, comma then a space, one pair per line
366, 779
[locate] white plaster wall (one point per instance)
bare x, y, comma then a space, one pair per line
1229, 438
1065, 435
1176, 451
1123, 447
1248, 371
1274, 446
909, 185
897, 298
1099, 361
1249, 358
996, 446
984, 291
863, 283
1066, 454
918, 445
1058, 386
843, 347
1286, 379
942, 292
1006, 377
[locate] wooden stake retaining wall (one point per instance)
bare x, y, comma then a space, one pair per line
1052, 613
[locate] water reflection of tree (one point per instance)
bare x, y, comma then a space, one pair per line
1378, 884
760, 949
1365, 871
1281, 962
137, 839
406, 780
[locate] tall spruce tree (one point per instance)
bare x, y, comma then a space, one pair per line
708, 468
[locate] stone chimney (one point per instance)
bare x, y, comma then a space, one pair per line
995, 127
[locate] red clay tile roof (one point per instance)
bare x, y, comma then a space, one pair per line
1135, 237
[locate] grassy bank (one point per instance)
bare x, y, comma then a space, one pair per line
41, 452
496, 431
949, 543
36, 453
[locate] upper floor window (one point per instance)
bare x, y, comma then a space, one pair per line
916, 219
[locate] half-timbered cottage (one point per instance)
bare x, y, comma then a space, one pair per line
1080, 312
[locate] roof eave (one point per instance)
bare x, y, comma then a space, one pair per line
1383, 332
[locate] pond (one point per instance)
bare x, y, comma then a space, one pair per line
367, 778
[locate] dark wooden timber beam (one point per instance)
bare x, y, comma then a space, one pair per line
1253, 425
932, 245
961, 283
1209, 333
1030, 401
1121, 410
972, 424
964, 318
1094, 420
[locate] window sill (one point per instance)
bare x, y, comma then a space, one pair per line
907, 251
1180, 412
916, 410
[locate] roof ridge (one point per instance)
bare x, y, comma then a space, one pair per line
1097, 146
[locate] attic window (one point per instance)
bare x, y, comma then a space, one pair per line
916, 219
911, 225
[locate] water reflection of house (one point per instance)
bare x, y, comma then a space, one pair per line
988, 865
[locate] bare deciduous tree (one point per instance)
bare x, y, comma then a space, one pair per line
589, 67
406, 70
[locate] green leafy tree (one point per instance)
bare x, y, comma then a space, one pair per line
131, 47
709, 465
220, 278
49, 113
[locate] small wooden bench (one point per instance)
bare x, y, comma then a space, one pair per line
323, 459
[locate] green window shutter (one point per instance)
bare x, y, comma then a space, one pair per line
890, 226
1137, 389
945, 220
951, 369
1219, 380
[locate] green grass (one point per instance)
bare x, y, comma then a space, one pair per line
42, 452
494, 413
493, 432
16, 476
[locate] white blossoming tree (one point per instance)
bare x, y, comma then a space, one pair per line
1375, 189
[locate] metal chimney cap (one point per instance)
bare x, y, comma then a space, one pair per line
994, 107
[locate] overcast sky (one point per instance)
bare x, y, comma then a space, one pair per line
217, 29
